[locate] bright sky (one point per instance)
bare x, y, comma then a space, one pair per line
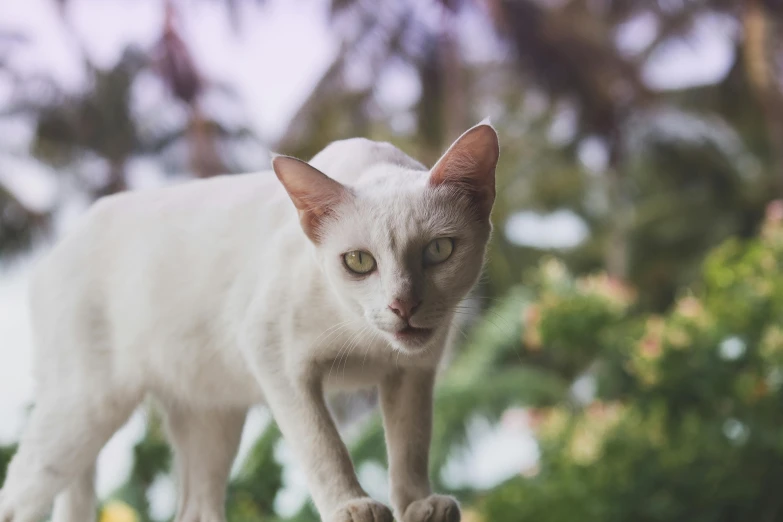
273, 63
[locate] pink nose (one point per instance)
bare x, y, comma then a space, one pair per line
404, 308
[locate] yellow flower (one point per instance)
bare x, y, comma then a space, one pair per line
763, 288
117, 511
611, 289
548, 423
531, 336
768, 262
690, 308
651, 345
588, 438
605, 414
644, 360
585, 445
678, 338
471, 515
772, 343
553, 270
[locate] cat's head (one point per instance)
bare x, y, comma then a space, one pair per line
401, 247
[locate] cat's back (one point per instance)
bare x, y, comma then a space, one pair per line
194, 209
167, 245
155, 281
197, 201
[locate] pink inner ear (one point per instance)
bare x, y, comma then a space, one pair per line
314, 194
453, 168
469, 165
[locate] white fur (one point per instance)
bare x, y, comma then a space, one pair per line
210, 297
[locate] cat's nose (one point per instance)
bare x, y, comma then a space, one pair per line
404, 308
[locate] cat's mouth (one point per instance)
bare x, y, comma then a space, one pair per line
413, 335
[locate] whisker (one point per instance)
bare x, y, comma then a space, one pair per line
356, 339
332, 328
498, 316
335, 329
498, 299
339, 353
462, 331
375, 335
345, 349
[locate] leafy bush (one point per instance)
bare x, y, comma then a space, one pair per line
694, 430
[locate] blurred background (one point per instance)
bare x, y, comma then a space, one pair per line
626, 358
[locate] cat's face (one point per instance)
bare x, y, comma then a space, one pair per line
402, 248
403, 256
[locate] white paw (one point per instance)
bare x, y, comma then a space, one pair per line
15, 508
435, 508
362, 510
6, 515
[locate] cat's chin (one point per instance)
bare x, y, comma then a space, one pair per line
411, 338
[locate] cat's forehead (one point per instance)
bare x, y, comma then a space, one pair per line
387, 178
395, 208
401, 199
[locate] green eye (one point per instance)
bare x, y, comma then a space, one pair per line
359, 262
438, 250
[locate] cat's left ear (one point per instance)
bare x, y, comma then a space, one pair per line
314, 194
469, 165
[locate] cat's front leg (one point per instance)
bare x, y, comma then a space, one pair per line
406, 401
300, 410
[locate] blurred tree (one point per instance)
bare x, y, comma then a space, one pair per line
674, 173
100, 123
151, 459
18, 222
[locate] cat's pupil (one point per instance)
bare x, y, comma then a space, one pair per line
437, 246
361, 261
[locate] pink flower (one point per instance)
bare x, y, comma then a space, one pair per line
531, 336
690, 307
775, 211
515, 419
651, 347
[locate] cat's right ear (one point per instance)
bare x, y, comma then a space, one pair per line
315, 195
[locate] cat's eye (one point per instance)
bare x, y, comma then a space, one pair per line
359, 262
438, 250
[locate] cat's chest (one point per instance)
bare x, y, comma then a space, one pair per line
365, 366
352, 372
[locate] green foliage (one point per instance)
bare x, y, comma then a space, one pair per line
151, 458
6, 452
251, 494
572, 317
695, 434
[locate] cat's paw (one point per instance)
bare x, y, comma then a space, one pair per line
6, 509
435, 508
362, 510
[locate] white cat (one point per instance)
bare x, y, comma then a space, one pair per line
212, 296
